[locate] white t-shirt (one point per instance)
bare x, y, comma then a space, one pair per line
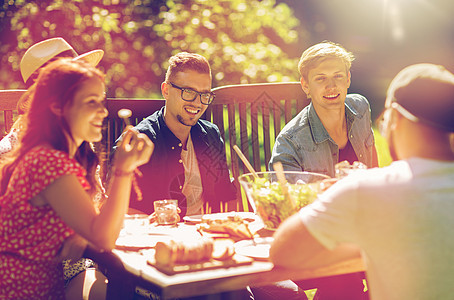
192, 188
402, 217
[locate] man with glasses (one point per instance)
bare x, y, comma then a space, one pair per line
188, 162
399, 217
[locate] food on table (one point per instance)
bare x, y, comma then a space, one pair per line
223, 249
234, 225
232, 215
275, 199
172, 252
191, 251
327, 183
272, 205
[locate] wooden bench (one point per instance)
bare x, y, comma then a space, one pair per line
252, 115
248, 115
8, 105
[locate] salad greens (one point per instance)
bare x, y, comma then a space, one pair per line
273, 207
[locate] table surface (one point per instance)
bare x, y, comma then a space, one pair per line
135, 248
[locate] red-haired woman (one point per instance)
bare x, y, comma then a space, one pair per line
48, 183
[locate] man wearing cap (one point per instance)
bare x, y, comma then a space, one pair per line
36, 57
399, 217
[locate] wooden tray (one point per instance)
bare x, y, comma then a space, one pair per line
236, 260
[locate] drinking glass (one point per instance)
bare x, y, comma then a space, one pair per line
166, 211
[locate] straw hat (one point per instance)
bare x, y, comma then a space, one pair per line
39, 54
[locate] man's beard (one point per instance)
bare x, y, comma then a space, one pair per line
181, 120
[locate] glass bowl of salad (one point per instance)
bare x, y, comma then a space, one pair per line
275, 200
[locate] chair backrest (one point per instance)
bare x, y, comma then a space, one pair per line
259, 111
8, 105
248, 115
140, 108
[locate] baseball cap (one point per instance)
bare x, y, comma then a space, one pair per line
40, 53
425, 93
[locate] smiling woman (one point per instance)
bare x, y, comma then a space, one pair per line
48, 182
87, 111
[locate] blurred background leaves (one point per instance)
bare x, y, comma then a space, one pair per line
246, 41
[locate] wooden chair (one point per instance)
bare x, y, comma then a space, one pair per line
8, 105
249, 115
260, 110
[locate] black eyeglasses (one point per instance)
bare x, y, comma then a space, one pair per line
190, 95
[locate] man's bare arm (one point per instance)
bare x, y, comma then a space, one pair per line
295, 247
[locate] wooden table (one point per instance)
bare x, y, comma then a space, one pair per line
129, 272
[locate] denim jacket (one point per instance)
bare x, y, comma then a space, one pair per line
305, 145
163, 175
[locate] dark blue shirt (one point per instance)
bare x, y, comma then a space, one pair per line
163, 175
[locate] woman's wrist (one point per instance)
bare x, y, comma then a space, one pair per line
121, 173
134, 173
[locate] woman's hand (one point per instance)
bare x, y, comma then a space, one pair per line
133, 150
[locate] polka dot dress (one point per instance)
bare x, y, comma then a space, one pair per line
30, 237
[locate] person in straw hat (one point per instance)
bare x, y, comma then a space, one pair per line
35, 58
44, 52
37, 212
400, 216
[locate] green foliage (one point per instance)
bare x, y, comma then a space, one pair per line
245, 41
384, 157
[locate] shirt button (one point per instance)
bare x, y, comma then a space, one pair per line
173, 147
181, 187
180, 145
360, 155
351, 136
180, 161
